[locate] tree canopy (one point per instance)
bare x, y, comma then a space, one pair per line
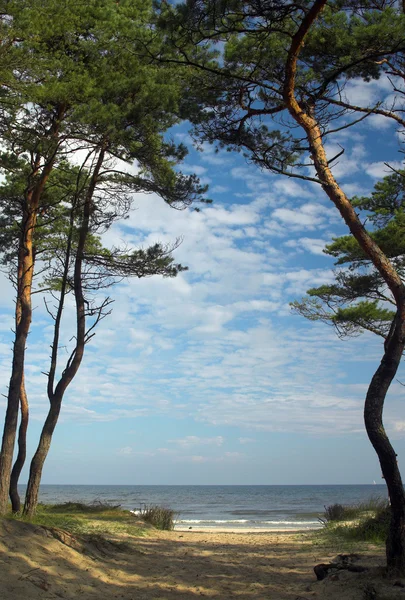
359, 299
269, 80
83, 122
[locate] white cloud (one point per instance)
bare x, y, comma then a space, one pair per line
291, 188
308, 216
312, 245
297, 217
381, 169
193, 169
348, 163
214, 157
361, 93
380, 122
217, 344
125, 451
192, 440
219, 189
198, 459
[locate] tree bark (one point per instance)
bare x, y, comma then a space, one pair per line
22, 450
56, 396
373, 418
22, 433
25, 272
37, 463
395, 343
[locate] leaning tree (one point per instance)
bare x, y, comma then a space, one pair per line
85, 95
270, 80
359, 300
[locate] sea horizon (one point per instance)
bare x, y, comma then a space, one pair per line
210, 484
227, 507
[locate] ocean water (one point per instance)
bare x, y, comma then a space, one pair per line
223, 506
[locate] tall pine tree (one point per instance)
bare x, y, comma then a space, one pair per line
269, 81
86, 90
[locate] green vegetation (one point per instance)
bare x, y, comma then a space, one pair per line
364, 522
78, 87
158, 516
86, 519
273, 93
99, 519
358, 300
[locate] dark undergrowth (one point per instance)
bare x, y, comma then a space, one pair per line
158, 516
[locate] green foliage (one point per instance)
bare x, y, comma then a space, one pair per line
80, 507
86, 82
334, 512
85, 519
158, 516
361, 510
359, 300
236, 99
370, 523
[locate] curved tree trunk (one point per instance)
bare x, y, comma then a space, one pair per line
37, 463
25, 274
373, 413
56, 395
22, 434
394, 347
22, 450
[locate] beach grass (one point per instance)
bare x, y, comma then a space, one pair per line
363, 522
158, 516
342, 512
86, 519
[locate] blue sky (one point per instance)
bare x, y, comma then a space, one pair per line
208, 378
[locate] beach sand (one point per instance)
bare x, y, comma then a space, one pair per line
176, 565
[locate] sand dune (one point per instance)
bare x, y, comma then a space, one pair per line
177, 565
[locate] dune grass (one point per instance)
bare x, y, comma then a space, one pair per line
85, 519
363, 522
99, 518
341, 512
158, 516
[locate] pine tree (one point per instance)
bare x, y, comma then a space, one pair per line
86, 89
269, 80
359, 299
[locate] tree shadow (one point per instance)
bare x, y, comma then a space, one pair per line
164, 565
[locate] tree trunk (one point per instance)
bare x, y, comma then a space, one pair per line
25, 273
73, 364
22, 451
37, 463
373, 413
22, 434
394, 347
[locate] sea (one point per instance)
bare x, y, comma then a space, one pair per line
233, 507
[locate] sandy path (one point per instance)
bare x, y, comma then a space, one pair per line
164, 565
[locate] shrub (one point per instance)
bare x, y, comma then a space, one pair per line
334, 512
78, 518
340, 512
80, 507
374, 528
158, 516
371, 523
